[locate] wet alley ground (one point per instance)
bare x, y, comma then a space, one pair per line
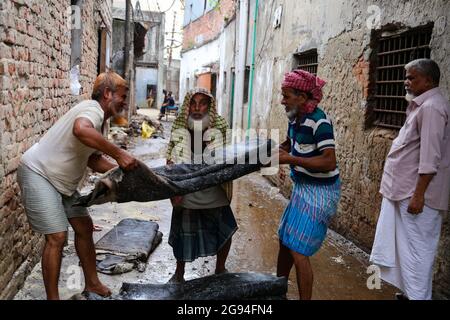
340, 267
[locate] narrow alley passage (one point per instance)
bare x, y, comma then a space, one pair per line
340, 87
340, 266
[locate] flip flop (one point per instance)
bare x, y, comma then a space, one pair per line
95, 296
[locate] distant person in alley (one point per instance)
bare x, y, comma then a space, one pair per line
169, 102
202, 222
415, 187
310, 151
51, 170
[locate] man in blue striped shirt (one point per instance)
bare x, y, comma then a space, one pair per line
313, 137
310, 151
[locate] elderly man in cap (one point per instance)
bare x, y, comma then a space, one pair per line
51, 170
310, 151
415, 187
202, 222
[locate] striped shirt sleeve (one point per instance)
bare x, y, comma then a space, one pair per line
323, 135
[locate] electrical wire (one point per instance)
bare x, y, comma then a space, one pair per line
171, 6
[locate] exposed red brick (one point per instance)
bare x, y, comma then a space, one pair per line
208, 26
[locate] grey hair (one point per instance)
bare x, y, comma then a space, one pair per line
426, 67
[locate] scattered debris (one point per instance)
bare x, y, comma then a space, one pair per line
139, 126
120, 136
338, 260
147, 131
136, 126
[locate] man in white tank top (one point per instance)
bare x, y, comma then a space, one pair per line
51, 170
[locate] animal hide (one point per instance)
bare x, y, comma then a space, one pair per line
144, 184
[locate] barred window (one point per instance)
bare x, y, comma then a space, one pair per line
307, 61
393, 53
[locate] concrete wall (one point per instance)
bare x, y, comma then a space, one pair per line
153, 57
203, 42
35, 48
152, 45
154, 42
173, 79
193, 64
227, 60
144, 77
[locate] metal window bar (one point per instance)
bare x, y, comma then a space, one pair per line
393, 54
308, 61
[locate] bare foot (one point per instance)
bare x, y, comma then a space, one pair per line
176, 279
220, 271
97, 228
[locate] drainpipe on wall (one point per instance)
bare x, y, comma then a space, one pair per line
233, 82
161, 67
127, 41
241, 56
128, 58
252, 70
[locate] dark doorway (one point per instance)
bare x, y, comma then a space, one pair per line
214, 84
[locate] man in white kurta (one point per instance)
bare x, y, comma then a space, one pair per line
415, 187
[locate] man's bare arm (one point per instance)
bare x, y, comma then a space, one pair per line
84, 130
286, 145
100, 164
325, 162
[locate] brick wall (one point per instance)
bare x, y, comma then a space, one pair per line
34, 94
92, 19
209, 26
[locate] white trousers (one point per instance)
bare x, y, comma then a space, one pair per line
405, 247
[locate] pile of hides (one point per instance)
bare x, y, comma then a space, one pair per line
226, 286
144, 184
127, 246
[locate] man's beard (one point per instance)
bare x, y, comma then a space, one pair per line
292, 114
202, 124
115, 108
409, 96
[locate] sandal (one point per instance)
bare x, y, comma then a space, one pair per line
95, 296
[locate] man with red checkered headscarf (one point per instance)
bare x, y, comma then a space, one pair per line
310, 151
